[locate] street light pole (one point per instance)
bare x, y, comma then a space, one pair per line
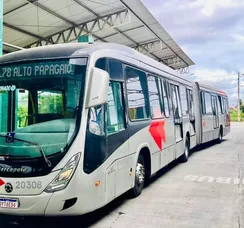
238, 97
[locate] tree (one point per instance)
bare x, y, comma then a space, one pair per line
50, 103
242, 108
22, 114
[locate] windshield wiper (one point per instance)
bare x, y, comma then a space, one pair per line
10, 138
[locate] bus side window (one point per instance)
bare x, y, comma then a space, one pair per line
183, 96
214, 105
101, 64
208, 104
137, 94
165, 97
225, 106
115, 109
220, 106
155, 97
176, 102
96, 120
190, 104
203, 103
115, 69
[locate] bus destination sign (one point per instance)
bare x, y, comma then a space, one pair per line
37, 69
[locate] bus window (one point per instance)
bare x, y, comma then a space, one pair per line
50, 105
165, 97
203, 103
183, 96
176, 102
96, 120
137, 94
220, 107
101, 64
214, 107
190, 103
208, 104
225, 106
23, 107
115, 69
50, 102
115, 110
4, 110
156, 103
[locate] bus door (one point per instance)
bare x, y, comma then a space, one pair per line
215, 112
226, 112
191, 112
115, 148
178, 120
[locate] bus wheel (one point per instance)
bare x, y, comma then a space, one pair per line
185, 156
220, 139
139, 177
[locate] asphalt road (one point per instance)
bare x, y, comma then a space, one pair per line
207, 191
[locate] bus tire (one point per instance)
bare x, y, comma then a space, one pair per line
185, 156
139, 177
220, 138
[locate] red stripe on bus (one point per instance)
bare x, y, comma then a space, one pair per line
157, 131
221, 92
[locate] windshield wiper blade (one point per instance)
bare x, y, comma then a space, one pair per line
10, 138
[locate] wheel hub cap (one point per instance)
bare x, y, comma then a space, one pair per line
140, 173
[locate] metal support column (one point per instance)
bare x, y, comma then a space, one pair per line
1, 27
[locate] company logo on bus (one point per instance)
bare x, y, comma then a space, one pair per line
9, 169
9, 188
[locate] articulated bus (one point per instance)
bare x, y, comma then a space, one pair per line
82, 124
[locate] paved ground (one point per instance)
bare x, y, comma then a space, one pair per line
207, 191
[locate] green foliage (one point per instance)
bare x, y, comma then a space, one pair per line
22, 114
50, 103
234, 116
242, 108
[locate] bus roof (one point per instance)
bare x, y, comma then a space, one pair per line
205, 85
80, 49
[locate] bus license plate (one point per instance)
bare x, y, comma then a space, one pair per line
9, 203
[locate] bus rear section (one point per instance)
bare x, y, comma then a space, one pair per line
213, 122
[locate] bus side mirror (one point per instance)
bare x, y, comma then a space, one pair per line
98, 88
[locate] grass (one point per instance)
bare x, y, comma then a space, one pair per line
233, 115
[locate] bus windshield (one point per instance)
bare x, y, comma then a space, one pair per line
39, 105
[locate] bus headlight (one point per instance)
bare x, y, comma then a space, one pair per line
62, 179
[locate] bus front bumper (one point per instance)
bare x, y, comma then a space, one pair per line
61, 203
28, 205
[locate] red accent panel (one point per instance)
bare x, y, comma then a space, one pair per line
222, 92
1, 182
157, 131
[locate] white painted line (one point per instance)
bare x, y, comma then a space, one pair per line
210, 179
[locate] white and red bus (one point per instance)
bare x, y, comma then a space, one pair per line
84, 123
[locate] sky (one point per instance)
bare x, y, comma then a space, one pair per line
211, 33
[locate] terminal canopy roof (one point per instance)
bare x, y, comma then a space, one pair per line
31, 23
